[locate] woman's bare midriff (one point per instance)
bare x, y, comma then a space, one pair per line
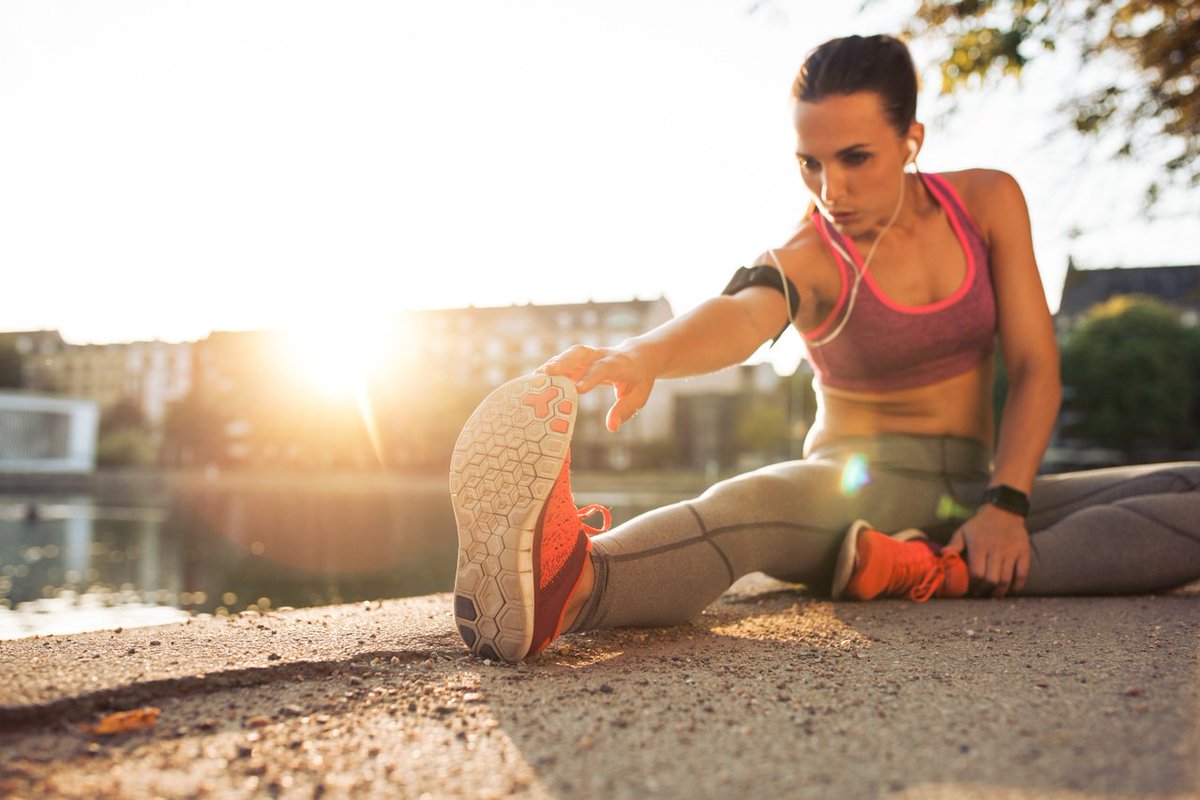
957, 406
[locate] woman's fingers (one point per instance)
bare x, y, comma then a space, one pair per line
630, 399
1003, 578
573, 362
997, 552
1022, 572
977, 569
590, 367
612, 368
956, 543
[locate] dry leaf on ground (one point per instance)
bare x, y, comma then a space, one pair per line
139, 719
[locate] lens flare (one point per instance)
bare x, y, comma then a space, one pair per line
368, 417
854, 475
949, 508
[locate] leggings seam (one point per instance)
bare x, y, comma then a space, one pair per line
1080, 500
1166, 526
704, 534
664, 548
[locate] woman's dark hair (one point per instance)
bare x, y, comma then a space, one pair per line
879, 64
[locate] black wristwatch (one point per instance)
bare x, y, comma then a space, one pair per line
1007, 498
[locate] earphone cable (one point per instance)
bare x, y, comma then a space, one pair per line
858, 274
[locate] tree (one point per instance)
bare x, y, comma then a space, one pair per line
126, 447
1158, 39
1133, 369
125, 439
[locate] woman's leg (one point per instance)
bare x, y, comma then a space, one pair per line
1114, 531
787, 520
663, 567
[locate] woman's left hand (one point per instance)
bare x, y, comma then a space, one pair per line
997, 546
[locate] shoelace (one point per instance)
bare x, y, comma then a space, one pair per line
931, 578
933, 581
587, 511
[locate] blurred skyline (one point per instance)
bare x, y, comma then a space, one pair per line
168, 169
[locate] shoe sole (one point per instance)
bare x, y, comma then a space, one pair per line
843, 568
505, 463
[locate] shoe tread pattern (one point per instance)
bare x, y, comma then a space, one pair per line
504, 465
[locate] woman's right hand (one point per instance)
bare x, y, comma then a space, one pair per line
631, 378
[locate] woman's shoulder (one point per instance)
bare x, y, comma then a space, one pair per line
990, 195
981, 185
799, 251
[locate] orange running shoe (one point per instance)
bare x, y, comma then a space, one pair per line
872, 564
522, 543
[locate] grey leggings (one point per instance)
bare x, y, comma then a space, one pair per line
1107, 531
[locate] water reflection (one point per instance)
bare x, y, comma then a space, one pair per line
127, 558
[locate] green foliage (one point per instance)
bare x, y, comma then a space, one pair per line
126, 447
11, 373
1134, 372
1157, 40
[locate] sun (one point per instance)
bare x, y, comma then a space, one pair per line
338, 358
335, 358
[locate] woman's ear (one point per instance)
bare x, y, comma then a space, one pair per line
914, 140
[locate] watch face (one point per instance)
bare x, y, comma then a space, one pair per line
1007, 498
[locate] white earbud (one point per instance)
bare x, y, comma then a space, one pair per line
912, 152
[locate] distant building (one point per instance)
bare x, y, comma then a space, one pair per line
245, 404
157, 374
238, 376
32, 344
492, 344
710, 414
227, 363
151, 374
38, 350
487, 346
46, 434
1085, 288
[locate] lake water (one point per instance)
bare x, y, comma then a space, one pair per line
149, 555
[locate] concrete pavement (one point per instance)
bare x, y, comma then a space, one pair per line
768, 693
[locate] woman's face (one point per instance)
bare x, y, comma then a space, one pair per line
851, 159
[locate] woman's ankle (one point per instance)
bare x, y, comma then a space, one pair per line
579, 598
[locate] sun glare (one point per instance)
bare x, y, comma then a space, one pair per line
338, 359
335, 359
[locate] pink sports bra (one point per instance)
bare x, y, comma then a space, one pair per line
886, 346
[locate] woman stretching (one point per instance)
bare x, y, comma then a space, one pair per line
900, 283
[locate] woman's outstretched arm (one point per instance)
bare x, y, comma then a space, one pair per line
718, 333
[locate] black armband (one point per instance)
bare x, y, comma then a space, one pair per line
770, 277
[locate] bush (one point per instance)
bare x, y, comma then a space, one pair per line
128, 447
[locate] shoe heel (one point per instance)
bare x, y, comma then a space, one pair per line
843, 568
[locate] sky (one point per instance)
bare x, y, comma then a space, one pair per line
170, 168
